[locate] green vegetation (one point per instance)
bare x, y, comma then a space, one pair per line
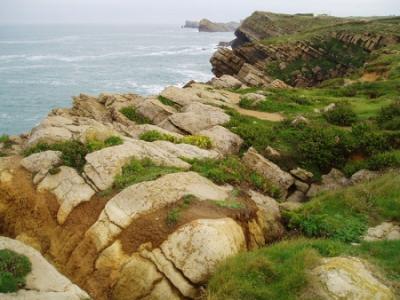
166, 101
173, 216
346, 214
389, 116
13, 269
74, 152
281, 271
141, 170
231, 204
6, 141
341, 115
131, 114
232, 171
196, 140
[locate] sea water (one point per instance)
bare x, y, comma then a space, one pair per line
43, 66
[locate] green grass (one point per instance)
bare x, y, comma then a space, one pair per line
6, 141
376, 162
195, 140
131, 114
14, 268
96, 145
141, 170
281, 271
346, 214
173, 216
231, 204
166, 101
231, 170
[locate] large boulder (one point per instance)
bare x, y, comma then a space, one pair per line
69, 188
226, 82
332, 181
44, 282
269, 170
223, 140
385, 231
154, 110
196, 248
39, 164
348, 278
102, 166
90, 107
148, 196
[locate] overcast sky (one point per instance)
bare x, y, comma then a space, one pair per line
176, 11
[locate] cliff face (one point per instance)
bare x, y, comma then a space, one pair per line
208, 26
301, 50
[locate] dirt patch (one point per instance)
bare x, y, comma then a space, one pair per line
370, 77
273, 117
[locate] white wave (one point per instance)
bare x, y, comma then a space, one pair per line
49, 82
70, 38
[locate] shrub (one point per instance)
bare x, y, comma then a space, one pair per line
335, 82
141, 170
13, 269
345, 215
173, 216
131, 114
369, 140
6, 141
342, 115
389, 116
377, 162
96, 145
196, 140
232, 171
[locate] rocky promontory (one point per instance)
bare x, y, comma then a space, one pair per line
245, 187
206, 25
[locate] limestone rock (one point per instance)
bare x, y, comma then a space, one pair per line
206, 25
148, 196
155, 111
300, 120
186, 151
197, 247
301, 186
349, 278
40, 163
302, 174
384, 231
254, 97
363, 176
136, 130
69, 188
90, 107
334, 180
223, 140
272, 153
279, 84
297, 196
44, 282
226, 82
269, 170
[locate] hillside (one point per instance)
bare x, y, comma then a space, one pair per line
278, 179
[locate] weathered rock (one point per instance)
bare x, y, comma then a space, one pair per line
197, 116
90, 107
208, 26
272, 153
329, 107
40, 163
180, 96
148, 196
254, 97
279, 84
44, 282
102, 166
384, 231
363, 176
154, 110
302, 174
300, 120
223, 140
197, 247
301, 186
226, 82
349, 278
269, 170
137, 130
334, 180
297, 196
69, 188
290, 206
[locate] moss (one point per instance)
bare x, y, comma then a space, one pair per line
14, 268
131, 113
196, 140
141, 170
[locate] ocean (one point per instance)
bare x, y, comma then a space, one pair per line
43, 66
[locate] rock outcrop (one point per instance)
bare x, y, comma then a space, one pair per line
208, 26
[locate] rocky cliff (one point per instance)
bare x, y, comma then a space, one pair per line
301, 50
208, 26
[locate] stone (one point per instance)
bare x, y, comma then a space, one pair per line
363, 176
329, 107
40, 163
279, 84
69, 188
90, 107
297, 196
269, 170
197, 117
301, 186
290, 206
300, 120
226, 82
44, 282
348, 278
197, 247
148, 196
302, 174
384, 231
223, 140
137, 130
206, 25
334, 180
154, 110
272, 153
254, 97
187, 151
180, 96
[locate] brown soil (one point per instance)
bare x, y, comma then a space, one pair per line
370, 77
273, 117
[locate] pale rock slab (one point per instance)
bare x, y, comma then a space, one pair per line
154, 110
148, 196
44, 282
40, 163
69, 188
226, 82
223, 140
197, 247
384, 231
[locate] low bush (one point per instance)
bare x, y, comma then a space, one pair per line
196, 140
173, 216
341, 115
166, 101
141, 170
13, 269
232, 171
376, 162
346, 214
131, 114
389, 116
96, 145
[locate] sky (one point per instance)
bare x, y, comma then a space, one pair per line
177, 11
